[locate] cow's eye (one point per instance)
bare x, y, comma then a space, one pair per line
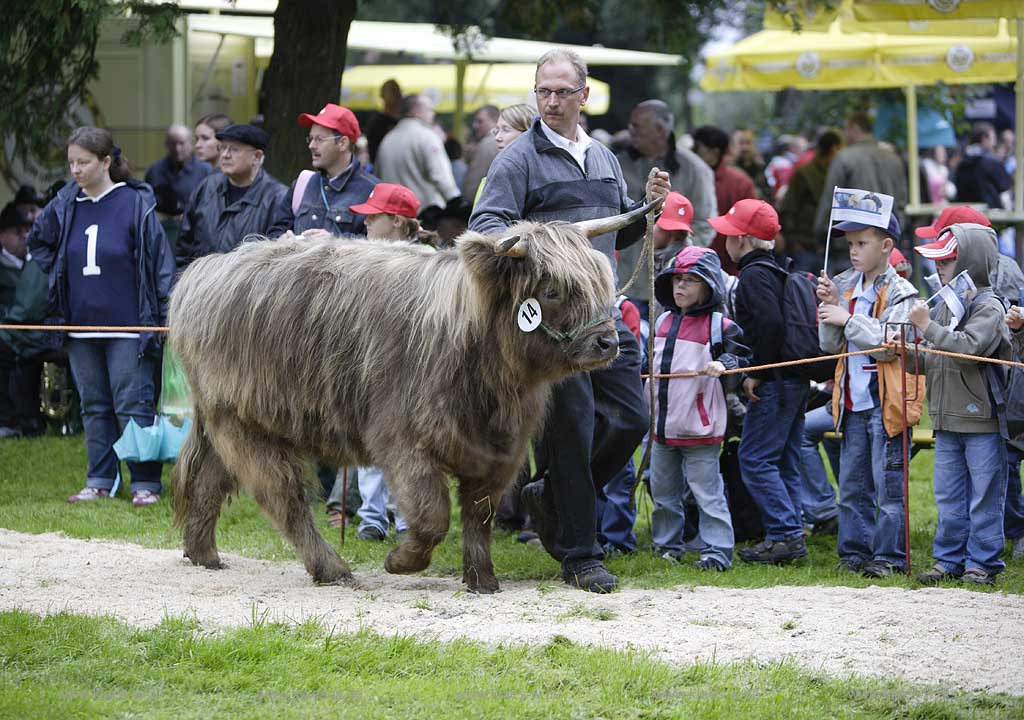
551, 293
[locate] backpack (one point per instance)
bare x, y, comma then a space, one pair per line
800, 316
1005, 384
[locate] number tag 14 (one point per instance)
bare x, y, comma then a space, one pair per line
529, 315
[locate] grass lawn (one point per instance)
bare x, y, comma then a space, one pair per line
75, 667
37, 475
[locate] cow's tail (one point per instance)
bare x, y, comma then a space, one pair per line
194, 453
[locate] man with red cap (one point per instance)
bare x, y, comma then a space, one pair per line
1007, 278
319, 200
769, 452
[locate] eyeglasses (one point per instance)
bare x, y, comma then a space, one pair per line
685, 280
563, 94
316, 140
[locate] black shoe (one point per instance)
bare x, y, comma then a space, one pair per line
881, 569
775, 552
589, 574
710, 564
851, 565
545, 522
826, 527
371, 533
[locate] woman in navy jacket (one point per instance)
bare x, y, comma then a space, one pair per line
109, 265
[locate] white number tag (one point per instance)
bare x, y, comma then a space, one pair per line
529, 316
91, 268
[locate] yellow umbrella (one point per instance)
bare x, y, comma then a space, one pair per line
951, 11
834, 60
499, 84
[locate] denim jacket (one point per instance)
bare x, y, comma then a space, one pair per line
352, 187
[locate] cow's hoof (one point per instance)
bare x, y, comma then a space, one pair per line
210, 561
483, 589
346, 579
401, 561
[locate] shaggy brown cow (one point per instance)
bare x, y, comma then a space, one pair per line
386, 354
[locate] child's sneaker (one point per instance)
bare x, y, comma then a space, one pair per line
977, 576
141, 498
710, 564
935, 575
87, 494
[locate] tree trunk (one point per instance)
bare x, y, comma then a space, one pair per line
310, 40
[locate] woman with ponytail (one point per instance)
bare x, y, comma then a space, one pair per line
109, 266
391, 215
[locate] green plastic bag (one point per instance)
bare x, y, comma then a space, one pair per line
175, 397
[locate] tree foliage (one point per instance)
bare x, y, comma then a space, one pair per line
48, 56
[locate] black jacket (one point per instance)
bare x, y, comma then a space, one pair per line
210, 225
48, 244
980, 178
759, 313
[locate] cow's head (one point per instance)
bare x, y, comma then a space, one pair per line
548, 294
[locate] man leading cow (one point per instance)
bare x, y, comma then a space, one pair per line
595, 421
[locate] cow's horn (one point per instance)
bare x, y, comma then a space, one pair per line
510, 246
600, 226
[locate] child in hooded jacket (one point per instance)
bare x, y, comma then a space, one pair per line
691, 412
970, 449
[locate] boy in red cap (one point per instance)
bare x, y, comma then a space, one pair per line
769, 452
867, 405
319, 200
1007, 278
970, 450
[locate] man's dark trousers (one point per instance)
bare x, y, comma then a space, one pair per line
595, 422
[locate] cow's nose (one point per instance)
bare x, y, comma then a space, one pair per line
608, 343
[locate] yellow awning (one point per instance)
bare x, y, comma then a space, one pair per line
833, 60
944, 10
500, 84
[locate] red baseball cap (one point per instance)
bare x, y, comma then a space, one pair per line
391, 199
952, 215
896, 259
676, 213
334, 117
944, 247
749, 217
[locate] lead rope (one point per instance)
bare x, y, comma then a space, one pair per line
649, 251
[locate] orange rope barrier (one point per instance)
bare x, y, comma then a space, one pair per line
87, 328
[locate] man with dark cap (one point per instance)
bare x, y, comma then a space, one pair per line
243, 200
317, 205
23, 300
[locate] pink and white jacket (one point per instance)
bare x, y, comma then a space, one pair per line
692, 411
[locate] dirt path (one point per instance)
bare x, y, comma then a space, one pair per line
942, 636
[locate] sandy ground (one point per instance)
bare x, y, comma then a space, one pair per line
949, 637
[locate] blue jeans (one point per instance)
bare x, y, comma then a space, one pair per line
871, 491
615, 518
970, 492
769, 455
817, 493
374, 509
116, 385
680, 471
1013, 523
